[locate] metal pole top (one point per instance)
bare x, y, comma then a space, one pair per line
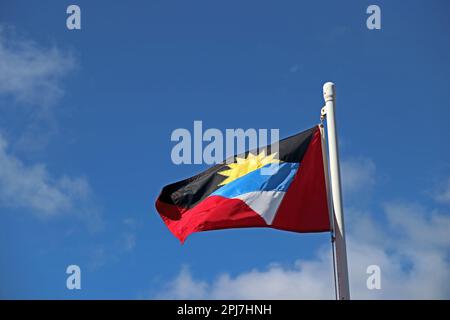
329, 92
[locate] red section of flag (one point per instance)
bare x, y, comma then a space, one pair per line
215, 212
304, 207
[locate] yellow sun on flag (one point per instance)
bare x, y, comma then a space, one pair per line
242, 166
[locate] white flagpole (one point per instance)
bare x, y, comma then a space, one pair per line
330, 200
329, 95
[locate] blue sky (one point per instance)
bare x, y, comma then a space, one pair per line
86, 119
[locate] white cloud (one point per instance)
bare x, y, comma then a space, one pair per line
129, 242
357, 174
33, 188
31, 73
412, 248
309, 279
128, 238
185, 287
416, 268
429, 229
443, 195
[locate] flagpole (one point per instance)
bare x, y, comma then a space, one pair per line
329, 95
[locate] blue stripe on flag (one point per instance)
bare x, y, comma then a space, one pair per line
255, 181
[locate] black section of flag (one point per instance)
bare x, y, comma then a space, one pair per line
187, 193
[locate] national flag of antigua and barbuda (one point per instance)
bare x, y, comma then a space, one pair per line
245, 193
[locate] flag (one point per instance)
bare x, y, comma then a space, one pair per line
238, 193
